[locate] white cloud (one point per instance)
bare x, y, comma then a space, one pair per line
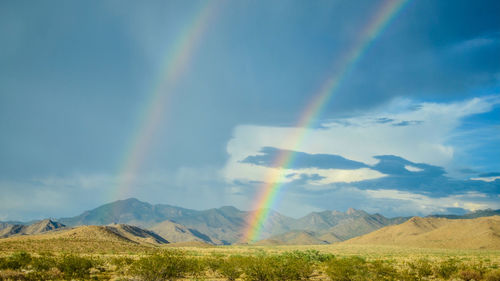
425, 204
486, 179
413, 168
420, 133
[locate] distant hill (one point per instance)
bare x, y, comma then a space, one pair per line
7, 230
431, 232
297, 237
95, 234
471, 215
344, 224
331, 227
86, 239
177, 233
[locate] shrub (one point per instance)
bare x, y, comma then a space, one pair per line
383, 271
347, 269
446, 269
195, 267
231, 268
493, 275
421, 268
122, 261
43, 263
469, 275
75, 267
311, 256
3, 263
53, 274
259, 268
293, 268
277, 267
16, 261
408, 275
168, 265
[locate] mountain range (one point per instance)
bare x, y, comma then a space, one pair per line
132, 218
224, 225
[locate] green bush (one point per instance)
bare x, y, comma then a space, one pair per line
258, 268
231, 267
195, 267
347, 269
3, 263
382, 271
122, 261
421, 268
43, 263
16, 261
311, 256
291, 267
168, 265
288, 266
75, 267
446, 269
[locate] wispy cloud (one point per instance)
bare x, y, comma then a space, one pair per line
472, 44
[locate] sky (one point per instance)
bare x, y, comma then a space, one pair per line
189, 103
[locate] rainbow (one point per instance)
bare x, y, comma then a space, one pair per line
174, 65
273, 182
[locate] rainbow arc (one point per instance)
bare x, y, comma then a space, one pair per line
273, 182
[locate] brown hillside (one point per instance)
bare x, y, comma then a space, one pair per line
96, 234
187, 244
293, 238
479, 233
175, 232
35, 228
136, 234
83, 239
330, 238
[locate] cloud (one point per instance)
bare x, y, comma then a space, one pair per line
394, 165
477, 42
413, 168
303, 160
359, 141
368, 161
491, 174
389, 202
407, 123
469, 201
486, 179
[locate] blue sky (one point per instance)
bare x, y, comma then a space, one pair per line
413, 129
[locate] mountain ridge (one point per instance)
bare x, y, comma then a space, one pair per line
224, 225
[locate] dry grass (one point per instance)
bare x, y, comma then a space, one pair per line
118, 259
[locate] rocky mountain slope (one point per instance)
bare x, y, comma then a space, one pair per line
177, 233
39, 227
